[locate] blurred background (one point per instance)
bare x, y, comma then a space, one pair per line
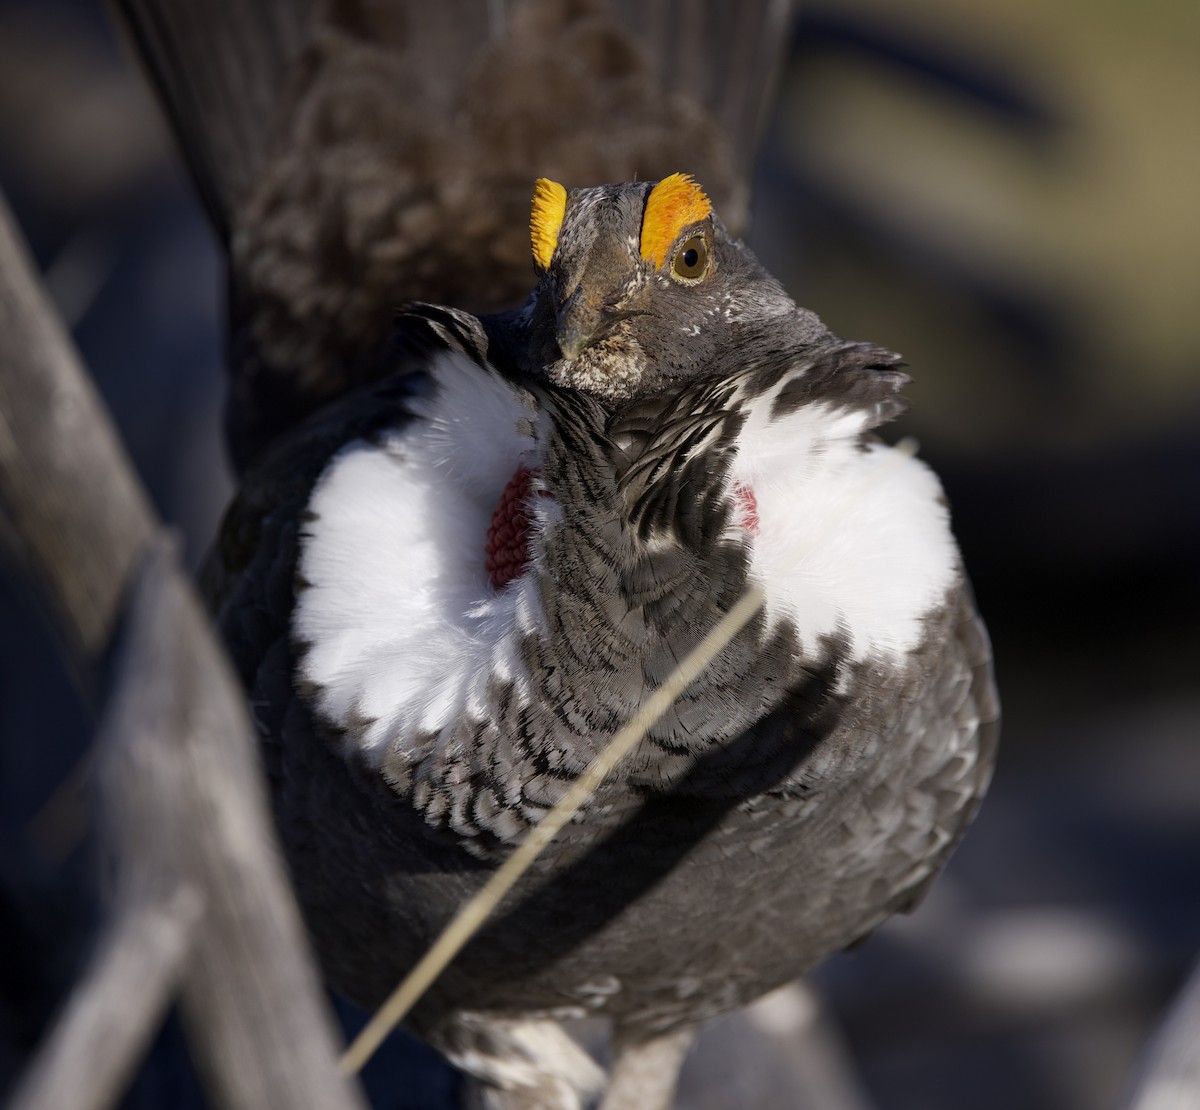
1004, 193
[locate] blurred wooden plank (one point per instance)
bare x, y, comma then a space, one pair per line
77, 515
1168, 1074
180, 790
89, 1057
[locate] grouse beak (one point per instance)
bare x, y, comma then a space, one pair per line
573, 340
578, 324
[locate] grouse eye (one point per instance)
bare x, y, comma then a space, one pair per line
691, 260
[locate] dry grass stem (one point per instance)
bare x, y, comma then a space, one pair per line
473, 914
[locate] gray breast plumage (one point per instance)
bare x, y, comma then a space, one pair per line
797, 795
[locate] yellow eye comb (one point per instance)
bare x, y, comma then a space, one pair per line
674, 203
549, 204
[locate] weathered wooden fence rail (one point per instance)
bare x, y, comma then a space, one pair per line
201, 908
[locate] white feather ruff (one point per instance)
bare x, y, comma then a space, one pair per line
405, 629
848, 539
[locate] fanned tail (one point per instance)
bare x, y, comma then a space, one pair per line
723, 56
219, 68
358, 154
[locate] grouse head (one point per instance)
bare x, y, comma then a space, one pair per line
639, 285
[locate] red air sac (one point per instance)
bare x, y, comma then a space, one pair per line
508, 536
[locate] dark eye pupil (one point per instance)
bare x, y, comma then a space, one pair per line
691, 260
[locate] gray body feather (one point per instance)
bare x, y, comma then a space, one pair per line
354, 156
813, 795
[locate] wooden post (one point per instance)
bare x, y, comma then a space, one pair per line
202, 897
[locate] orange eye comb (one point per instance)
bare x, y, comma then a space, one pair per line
549, 204
674, 203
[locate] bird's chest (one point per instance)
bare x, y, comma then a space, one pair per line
466, 633
477, 616
752, 890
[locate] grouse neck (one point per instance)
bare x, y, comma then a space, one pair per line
642, 526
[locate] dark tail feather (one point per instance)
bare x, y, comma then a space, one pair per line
373, 153
724, 56
219, 68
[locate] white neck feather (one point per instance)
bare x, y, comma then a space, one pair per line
403, 626
405, 629
851, 539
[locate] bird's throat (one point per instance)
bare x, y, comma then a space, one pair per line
508, 552
508, 533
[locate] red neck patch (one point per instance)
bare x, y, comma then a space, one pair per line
746, 507
508, 536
